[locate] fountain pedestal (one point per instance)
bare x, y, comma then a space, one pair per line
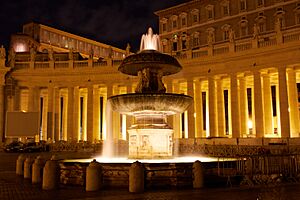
150, 137
150, 143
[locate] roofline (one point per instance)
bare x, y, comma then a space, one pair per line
74, 36
177, 6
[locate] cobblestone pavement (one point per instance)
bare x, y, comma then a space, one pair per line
13, 187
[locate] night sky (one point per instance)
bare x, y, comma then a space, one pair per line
114, 22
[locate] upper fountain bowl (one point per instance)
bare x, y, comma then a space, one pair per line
160, 103
152, 59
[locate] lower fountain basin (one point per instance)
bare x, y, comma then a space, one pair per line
161, 103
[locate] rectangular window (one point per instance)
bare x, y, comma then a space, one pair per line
243, 5
260, 2
164, 27
210, 14
243, 31
195, 41
226, 35
225, 10
183, 44
195, 18
174, 46
183, 21
261, 27
174, 24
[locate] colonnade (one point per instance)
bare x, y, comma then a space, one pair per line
250, 104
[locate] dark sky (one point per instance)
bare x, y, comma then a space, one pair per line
114, 22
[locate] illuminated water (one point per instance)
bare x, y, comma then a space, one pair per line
185, 159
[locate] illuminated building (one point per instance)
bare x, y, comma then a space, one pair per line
43, 38
240, 62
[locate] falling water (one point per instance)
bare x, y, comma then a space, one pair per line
108, 146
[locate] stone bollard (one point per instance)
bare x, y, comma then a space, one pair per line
136, 177
51, 174
37, 170
93, 176
198, 173
28, 167
20, 165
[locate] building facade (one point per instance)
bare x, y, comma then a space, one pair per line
44, 38
240, 63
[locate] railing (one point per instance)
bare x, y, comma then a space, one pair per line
117, 62
22, 65
243, 46
41, 65
80, 64
221, 50
100, 64
61, 64
199, 53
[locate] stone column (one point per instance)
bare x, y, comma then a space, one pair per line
96, 135
213, 131
50, 112
176, 122
267, 105
116, 118
283, 103
191, 118
2, 136
17, 99
107, 126
33, 101
56, 117
198, 110
293, 102
70, 116
243, 106
76, 114
258, 108
235, 114
220, 108
90, 120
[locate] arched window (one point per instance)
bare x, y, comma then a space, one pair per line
225, 8
163, 23
183, 19
210, 35
195, 16
261, 23
279, 18
225, 28
196, 37
174, 22
210, 12
243, 5
243, 27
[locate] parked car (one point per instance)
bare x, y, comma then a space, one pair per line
32, 147
15, 146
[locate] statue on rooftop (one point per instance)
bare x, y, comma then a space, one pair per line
50, 54
32, 54
11, 57
71, 57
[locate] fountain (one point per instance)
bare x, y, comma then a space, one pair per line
150, 137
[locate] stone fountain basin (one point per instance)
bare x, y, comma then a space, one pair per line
150, 59
160, 103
